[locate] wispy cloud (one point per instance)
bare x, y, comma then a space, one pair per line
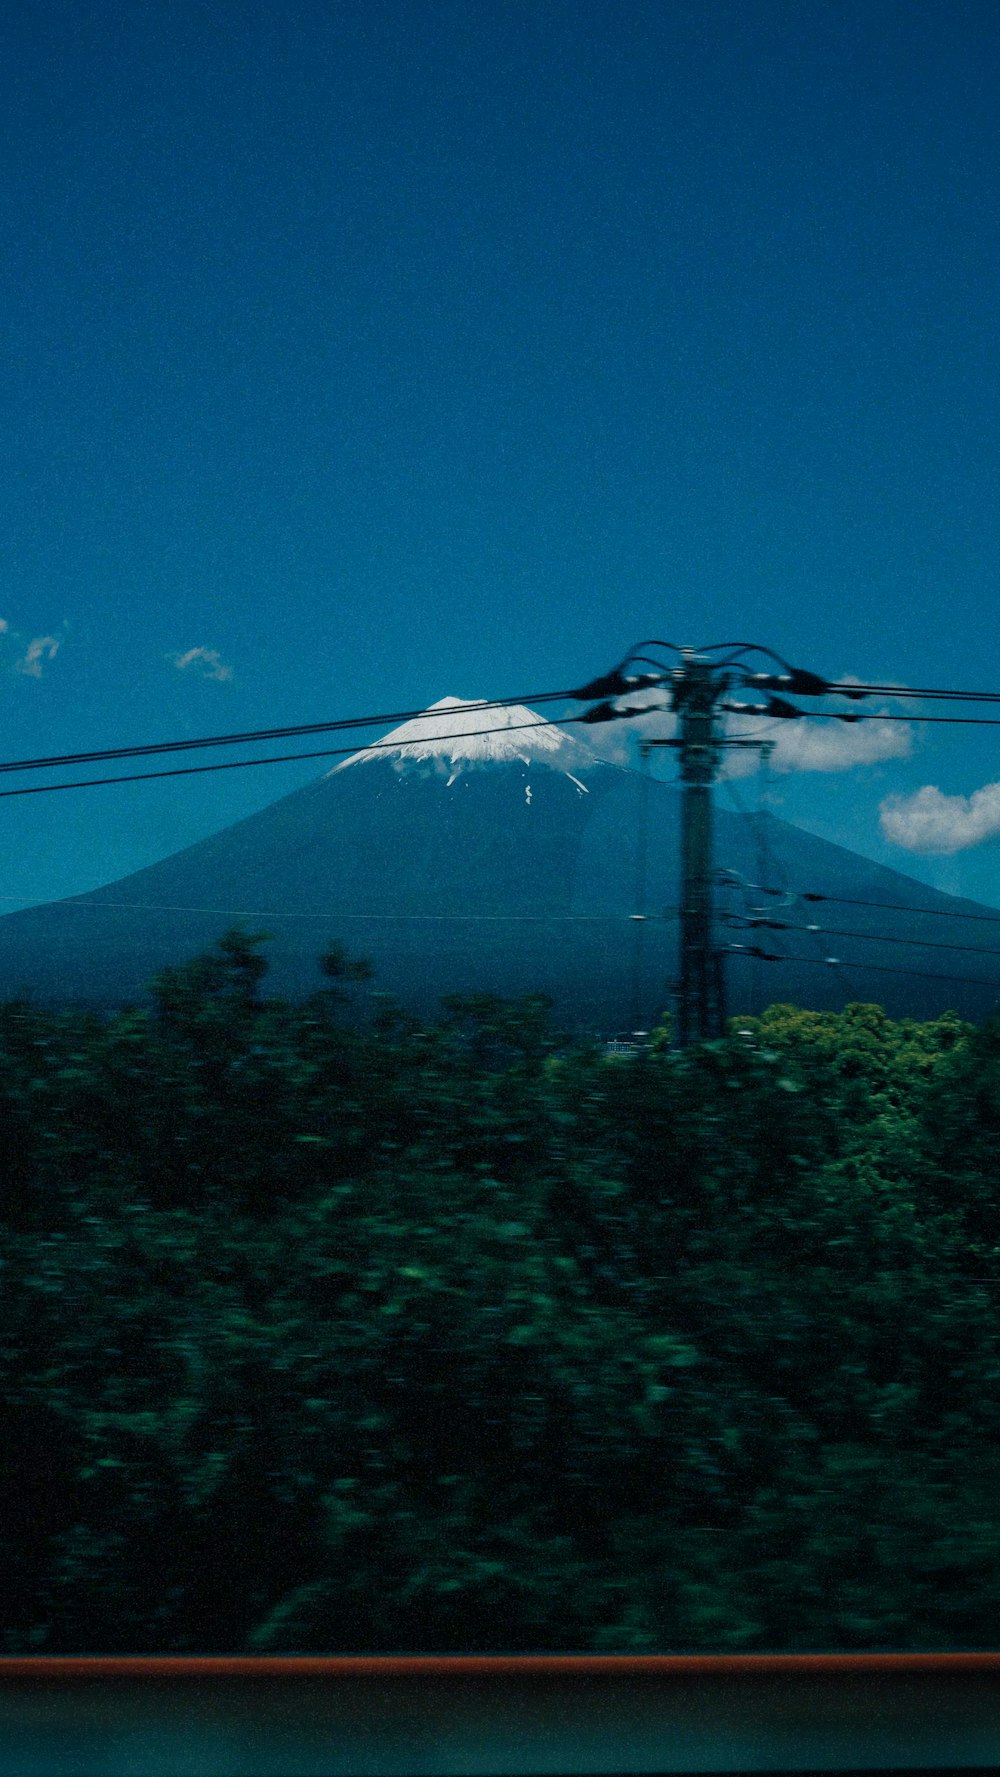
39, 650
823, 745
829, 746
206, 662
615, 741
929, 821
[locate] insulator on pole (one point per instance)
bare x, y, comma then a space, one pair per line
797, 680
616, 683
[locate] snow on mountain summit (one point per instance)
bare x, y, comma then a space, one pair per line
458, 733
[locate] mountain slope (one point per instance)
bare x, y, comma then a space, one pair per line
503, 862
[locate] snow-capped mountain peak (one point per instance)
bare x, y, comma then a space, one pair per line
457, 734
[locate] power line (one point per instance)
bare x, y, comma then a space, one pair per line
882, 716
886, 906
245, 737
762, 851
696, 696
337, 914
886, 969
847, 688
753, 823
789, 713
693, 690
260, 734
872, 937
857, 688
928, 943
134, 777
484, 704
639, 893
891, 906
334, 913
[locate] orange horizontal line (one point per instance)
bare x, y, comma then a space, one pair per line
499, 1666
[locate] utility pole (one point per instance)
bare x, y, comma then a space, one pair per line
696, 687
700, 993
700, 998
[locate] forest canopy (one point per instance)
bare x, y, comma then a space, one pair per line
337, 1334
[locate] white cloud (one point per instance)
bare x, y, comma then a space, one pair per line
822, 745
39, 649
829, 746
797, 745
929, 821
815, 746
741, 761
615, 741
4, 626
207, 662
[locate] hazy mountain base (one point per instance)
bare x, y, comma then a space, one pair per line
453, 1338
477, 887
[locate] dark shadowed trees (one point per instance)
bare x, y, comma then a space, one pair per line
328, 1335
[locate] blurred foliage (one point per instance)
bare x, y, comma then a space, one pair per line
322, 1336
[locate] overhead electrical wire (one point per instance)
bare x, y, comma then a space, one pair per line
893, 907
927, 943
741, 921
869, 937
134, 777
887, 969
639, 914
885, 716
763, 852
605, 711
846, 687
259, 734
650, 642
744, 648
753, 824
333, 914
886, 906
245, 737
883, 937
855, 688
355, 723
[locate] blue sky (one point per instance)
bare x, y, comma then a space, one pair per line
384, 351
